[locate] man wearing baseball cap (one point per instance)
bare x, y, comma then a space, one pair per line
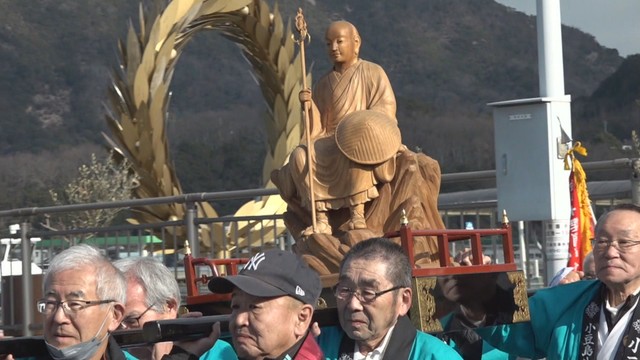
272, 303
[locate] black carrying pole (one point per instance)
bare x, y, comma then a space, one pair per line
152, 332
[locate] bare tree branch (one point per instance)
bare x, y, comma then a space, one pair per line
99, 181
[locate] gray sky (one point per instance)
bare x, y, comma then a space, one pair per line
614, 23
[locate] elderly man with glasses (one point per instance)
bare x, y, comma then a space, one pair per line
83, 302
373, 297
84, 296
596, 319
153, 294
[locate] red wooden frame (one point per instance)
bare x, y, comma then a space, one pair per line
406, 235
445, 237
190, 264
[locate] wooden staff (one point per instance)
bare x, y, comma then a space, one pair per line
301, 26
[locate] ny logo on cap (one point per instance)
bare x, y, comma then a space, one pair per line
255, 261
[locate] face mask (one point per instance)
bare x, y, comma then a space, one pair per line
82, 351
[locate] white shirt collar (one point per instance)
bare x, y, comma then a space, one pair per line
614, 309
378, 352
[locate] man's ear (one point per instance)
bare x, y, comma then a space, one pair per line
356, 40
118, 316
304, 316
170, 310
172, 305
404, 305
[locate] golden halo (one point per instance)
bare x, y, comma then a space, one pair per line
139, 93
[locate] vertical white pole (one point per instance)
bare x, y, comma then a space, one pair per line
550, 65
523, 249
551, 77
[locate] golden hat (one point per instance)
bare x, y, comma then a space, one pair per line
368, 137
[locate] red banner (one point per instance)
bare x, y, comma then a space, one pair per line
574, 229
582, 220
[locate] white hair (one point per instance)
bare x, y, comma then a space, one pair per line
158, 282
110, 282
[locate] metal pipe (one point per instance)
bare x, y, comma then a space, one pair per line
179, 199
635, 182
609, 164
239, 194
192, 234
550, 66
468, 176
481, 175
524, 264
27, 281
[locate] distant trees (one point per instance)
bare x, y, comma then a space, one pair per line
443, 79
99, 181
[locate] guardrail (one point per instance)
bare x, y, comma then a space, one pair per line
191, 223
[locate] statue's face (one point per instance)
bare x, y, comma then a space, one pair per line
342, 43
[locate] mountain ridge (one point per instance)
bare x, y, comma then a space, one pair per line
446, 60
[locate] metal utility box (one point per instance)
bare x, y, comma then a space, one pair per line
530, 142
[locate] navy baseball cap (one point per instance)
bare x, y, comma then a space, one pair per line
273, 273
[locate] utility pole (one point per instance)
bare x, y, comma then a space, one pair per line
635, 181
531, 138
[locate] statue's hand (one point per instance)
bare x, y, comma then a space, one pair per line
305, 96
465, 258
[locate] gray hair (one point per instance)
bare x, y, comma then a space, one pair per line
619, 207
158, 282
386, 251
110, 282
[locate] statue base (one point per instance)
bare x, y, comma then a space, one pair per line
413, 193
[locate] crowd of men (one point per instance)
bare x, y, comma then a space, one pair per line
87, 298
273, 299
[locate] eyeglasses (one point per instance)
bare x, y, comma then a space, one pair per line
131, 322
70, 307
364, 296
620, 245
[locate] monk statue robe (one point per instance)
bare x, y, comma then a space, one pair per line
364, 180
340, 181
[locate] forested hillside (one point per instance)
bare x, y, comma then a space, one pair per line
445, 58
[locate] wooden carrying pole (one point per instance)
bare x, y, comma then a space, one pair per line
301, 26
